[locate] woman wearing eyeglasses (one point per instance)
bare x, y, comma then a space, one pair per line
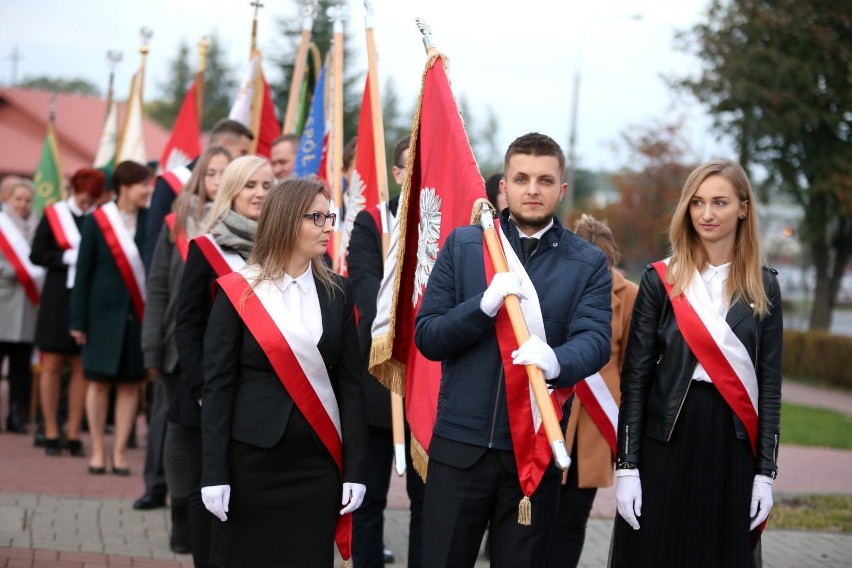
283, 433
227, 239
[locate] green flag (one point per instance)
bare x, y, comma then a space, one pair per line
48, 174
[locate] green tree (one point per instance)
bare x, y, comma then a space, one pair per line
220, 87
76, 85
284, 54
776, 78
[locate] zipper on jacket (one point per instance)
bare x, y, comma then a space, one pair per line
494, 408
775, 449
679, 408
626, 439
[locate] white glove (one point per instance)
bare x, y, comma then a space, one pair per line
536, 352
503, 284
69, 257
628, 496
761, 500
353, 496
216, 499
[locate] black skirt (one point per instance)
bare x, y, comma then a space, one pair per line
284, 506
52, 326
696, 492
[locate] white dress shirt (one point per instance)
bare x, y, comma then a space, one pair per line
714, 278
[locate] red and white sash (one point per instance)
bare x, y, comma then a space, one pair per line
16, 249
717, 348
222, 262
181, 242
65, 231
529, 440
124, 252
297, 362
598, 401
177, 178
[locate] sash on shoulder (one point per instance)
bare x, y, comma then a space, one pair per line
65, 231
177, 178
222, 262
181, 242
124, 252
298, 364
598, 401
529, 439
717, 348
16, 249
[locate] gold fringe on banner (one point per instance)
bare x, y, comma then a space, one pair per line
525, 512
419, 458
346, 564
386, 369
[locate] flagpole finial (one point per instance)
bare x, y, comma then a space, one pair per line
426, 30
368, 14
203, 48
336, 14
310, 9
146, 34
52, 114
114, 58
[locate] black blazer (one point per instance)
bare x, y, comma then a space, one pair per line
195, 300
365, 264
244, 400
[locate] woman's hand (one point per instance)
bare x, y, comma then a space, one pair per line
628, 496
353, 496
217, 498
79, 336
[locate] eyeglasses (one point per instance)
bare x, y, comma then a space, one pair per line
320, 219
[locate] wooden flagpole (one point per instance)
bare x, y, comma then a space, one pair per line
337, 14
309, 12
203, 47
257, 93
522, 334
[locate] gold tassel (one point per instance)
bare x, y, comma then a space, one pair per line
346, 564
419, 458
525, 512
386, 369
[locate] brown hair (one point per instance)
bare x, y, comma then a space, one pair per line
599, 234
278, 229
128, 173
688, 252
535, 144
195, 186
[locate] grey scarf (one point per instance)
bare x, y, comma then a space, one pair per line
235, 232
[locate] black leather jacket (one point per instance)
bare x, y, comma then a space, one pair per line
658, 368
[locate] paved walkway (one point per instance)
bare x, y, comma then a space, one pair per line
53, 514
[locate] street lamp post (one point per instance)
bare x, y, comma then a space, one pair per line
571, 162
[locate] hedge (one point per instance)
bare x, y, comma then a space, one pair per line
818, 356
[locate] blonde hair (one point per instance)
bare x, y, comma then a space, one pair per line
195, 187
599, 234
688, 253
234, 178
278, 229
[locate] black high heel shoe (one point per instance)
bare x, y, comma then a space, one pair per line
75, 448
51, 447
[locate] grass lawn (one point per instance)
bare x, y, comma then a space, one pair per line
828, 513
809, 426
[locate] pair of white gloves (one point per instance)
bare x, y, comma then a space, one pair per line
534, 351
628, 497
217, 498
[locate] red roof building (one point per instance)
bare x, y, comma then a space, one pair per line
79, 123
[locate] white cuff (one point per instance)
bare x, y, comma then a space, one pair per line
763, 479
627, 472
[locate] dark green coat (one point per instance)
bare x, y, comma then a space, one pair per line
101, 306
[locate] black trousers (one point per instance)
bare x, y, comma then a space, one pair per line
154, 474
575, 505
461, 501
20, 372
368, 521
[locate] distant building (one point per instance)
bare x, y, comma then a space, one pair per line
79, 123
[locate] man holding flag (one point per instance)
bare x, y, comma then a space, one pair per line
487, 462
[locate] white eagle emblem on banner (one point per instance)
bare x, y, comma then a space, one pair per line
428, 232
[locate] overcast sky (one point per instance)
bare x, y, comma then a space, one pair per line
519, 58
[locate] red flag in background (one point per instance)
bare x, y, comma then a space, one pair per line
183, 145
268, 127
363, 189
443, 184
